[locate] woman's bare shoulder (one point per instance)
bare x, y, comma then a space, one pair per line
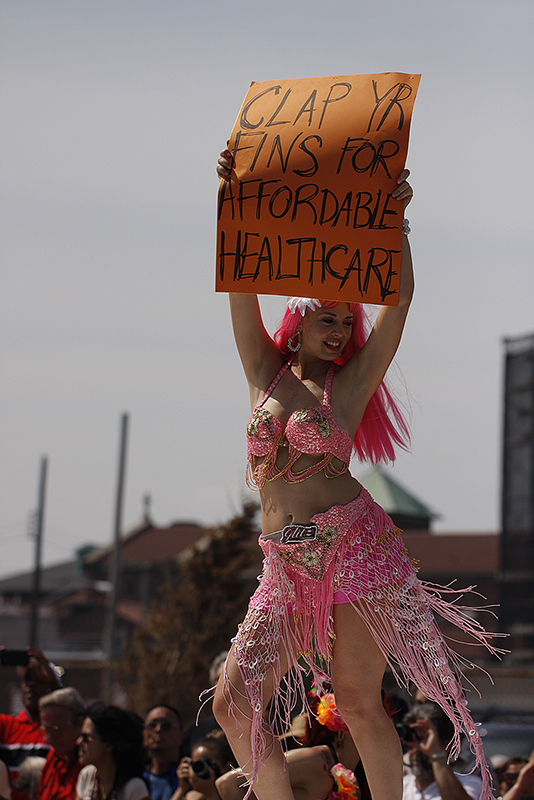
309, 762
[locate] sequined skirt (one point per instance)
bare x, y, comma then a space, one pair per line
358, 556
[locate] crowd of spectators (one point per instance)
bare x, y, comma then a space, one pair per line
57, 748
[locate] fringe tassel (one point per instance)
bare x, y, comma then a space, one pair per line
416, 652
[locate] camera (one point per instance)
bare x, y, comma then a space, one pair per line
14, 658
202, 768
406, 734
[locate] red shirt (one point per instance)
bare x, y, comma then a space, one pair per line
20, 737
59, 776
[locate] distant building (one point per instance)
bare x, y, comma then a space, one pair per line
517, 577
404, 508
75, 599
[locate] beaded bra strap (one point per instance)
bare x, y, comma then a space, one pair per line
273, 384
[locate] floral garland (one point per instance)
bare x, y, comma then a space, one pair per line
347, 787
327, 714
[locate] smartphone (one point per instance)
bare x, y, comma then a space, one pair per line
14, 658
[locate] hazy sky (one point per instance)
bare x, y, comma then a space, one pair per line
113, 113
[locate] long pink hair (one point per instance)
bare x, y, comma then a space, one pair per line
383, 425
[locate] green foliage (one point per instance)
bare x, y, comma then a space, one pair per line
168, 659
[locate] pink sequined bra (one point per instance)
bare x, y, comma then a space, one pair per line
309, 430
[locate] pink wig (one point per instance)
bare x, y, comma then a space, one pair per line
383, 425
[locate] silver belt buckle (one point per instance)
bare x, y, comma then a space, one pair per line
294, 534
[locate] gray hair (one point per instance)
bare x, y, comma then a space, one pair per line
29, 774
435, 714
69, 698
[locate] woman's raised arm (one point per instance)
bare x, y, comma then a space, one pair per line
363, 373
260, 356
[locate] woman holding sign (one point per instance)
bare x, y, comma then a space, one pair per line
338, 590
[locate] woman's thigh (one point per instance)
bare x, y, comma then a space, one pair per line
232, 690
358, 664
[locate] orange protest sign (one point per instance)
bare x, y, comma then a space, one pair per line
307, 210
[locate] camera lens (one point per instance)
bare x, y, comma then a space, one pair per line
404, 731
203, 767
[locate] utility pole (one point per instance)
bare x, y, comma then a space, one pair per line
111, 644
36, 592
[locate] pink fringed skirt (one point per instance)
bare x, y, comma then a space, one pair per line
358, 556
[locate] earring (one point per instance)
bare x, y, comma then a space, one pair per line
295, 347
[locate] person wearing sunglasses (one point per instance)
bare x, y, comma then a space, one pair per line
20, 734
162, 737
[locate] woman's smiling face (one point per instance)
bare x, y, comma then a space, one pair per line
326, 331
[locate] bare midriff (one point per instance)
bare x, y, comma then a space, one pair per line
285, 503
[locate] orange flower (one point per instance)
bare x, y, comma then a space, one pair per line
347, 788
327, 714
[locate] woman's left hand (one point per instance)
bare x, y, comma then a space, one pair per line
403, 191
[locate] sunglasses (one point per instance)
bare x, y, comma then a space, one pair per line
163, 725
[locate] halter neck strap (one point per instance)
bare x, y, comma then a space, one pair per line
274, 382
328, 386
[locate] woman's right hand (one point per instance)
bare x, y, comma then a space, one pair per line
224, 164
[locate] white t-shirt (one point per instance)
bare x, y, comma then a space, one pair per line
471, 783
134, 789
